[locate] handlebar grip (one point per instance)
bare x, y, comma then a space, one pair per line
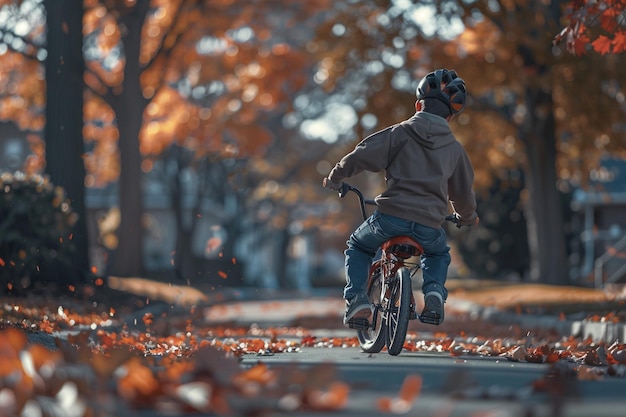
454, 218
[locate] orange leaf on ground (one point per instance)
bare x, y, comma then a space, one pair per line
12, 340
552, 356
587, 373
393, 405
335, 398
619, 356
517, 354
139, 383
259, 373
176, 371
411, 388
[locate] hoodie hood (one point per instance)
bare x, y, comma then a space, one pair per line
428, 129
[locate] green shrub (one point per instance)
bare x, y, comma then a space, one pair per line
36, 221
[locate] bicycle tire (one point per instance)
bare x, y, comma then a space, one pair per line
398, 317
373, 339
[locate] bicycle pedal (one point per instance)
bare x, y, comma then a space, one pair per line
430, 318
358, 324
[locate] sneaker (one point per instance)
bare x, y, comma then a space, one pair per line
358, 309
433, 309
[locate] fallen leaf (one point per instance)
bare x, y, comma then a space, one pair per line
517, 354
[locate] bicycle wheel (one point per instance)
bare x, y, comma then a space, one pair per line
372, 339
398, 317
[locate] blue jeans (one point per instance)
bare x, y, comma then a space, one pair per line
377, 229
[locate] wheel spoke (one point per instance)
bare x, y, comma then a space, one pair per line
398, 317
372, 339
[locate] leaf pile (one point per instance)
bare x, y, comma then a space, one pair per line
84, 361
76, 381
591, 360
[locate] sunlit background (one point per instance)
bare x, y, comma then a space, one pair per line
222, 118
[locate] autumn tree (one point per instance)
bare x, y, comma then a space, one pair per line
211, 78
114, 112
599, 25
194, 74
31, 36
22, 83
525, 107
556, 137
184, 75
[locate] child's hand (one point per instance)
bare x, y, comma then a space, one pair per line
332, 185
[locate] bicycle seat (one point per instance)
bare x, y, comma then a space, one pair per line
403, 247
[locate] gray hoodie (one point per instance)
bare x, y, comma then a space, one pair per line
425, 167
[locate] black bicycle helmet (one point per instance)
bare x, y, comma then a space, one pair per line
444, 85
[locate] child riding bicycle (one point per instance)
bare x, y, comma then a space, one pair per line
425, 168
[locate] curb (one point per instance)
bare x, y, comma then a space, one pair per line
598, 332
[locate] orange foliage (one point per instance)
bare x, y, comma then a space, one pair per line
22, 100
619, 42
595, 23
221, 52
602, 44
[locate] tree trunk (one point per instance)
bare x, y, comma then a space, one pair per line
184, 258
64, 116
129, 107
543, 209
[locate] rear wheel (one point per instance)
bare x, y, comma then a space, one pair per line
373, 338
398, 318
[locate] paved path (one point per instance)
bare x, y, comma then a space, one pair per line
455, 386
562, 309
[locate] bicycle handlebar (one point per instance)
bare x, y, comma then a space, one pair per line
346, 188
454, 218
